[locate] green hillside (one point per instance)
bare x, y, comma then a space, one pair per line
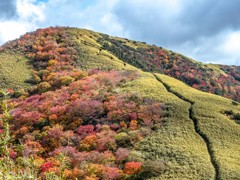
161, 121
14, 70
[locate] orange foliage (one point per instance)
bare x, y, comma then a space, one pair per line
133, 125
132, 167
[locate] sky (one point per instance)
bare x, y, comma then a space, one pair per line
205, 30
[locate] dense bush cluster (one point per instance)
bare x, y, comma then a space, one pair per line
87, 127
157, 59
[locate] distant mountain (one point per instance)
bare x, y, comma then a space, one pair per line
77, 104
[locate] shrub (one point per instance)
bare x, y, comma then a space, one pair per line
133, 125
135, 156
34, 79
113, 173
122, 154
88, 143
43, 87
123, 139
66, 80
152, 168
90, 124
237, 116
52, 62
106, 140
83, 131
132, 167
46, 166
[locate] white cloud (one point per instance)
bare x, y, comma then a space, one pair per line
223, 48
29, 11
11, 30
96, 15
231, 46
30, 14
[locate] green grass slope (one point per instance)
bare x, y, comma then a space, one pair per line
14, 71
222, 133
176, 142
90, 53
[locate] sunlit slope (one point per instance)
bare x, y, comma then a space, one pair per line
222, 133
90, 53
176, 142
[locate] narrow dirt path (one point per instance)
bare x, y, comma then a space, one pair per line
196, 127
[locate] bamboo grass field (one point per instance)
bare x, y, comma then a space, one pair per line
216, 126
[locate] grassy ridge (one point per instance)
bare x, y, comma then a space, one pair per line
176, 142
90, 53
223, 133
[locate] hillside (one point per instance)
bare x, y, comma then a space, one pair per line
217, 79
89, 106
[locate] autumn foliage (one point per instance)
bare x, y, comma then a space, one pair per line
90, 124
74, 123
132, 167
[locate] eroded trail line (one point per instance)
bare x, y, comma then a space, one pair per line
196, 127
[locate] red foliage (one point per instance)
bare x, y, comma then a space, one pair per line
12, 154
46, 166
122, 154
113, 173
105, 140
83, 131
132, 167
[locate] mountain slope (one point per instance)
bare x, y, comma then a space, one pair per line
205, 111
217, 79
197, 137
95, 47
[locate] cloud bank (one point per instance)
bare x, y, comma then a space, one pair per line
208, 31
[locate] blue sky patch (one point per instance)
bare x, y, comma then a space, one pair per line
40, 1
